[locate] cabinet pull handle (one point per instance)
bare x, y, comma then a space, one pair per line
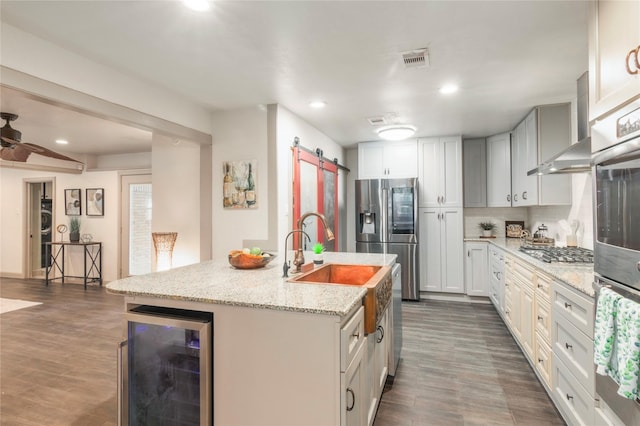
540, 318
567, 305
381, 330
540, 360
567, 345
509, 197
468, 253
635, 52
443, 199
353, 399
499, 275
524, 195
569, 397
515, 198
120, 391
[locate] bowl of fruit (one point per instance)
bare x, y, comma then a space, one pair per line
249, 258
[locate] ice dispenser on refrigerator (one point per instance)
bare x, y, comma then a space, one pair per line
386, 212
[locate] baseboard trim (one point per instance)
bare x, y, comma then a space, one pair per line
451, 297
11, 275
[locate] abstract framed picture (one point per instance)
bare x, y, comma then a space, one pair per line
95, 201
72, 202
239, 185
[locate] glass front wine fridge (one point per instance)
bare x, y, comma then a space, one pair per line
165, 368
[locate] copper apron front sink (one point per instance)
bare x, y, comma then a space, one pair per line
376, 279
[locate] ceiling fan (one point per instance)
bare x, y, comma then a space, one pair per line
13, 149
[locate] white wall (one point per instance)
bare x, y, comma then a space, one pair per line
176, 196
247, 134
55, 64
13, 217
239, 135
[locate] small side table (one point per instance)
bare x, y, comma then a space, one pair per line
92, 258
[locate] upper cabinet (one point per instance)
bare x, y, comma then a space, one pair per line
542, 134
499, 170
474, 156
387, 160
440, 167
614, 55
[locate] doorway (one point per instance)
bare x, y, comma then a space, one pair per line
135, 242
40, 220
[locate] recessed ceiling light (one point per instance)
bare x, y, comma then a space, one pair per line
396, 132
62, 141
198, 5
448, 89
317, 104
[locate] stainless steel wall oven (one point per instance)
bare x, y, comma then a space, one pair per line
616, 176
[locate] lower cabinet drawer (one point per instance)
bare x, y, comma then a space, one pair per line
543, 358
575, 349
542, 317
351, 338
578, 308
570, 397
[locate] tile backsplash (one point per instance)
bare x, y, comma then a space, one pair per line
556, 218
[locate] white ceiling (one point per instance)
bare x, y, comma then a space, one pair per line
506, 56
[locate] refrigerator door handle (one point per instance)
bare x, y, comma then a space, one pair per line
384, 213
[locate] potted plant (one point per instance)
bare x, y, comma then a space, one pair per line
487, 228
74, 229
318, 248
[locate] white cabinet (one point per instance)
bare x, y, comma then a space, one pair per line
519, 304
499, 170
353, 391
543, 133
614, 45
353, 378
496, 280
441, 250
377, 366
387, 160
440, 172
474, 156
476, 277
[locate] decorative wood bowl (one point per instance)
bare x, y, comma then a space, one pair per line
241, 260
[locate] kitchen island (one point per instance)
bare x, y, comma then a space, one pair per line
283, 352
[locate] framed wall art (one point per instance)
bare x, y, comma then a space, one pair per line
239, 185
95, 201
72, 202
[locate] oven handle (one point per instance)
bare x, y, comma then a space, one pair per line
628, 292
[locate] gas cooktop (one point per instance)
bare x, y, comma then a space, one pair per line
559, 254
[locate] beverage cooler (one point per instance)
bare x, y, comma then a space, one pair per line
165, 367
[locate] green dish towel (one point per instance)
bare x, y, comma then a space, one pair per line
617, 341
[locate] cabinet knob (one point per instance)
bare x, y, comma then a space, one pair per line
356, 335
567, 305
353, 399
567, 345
540, 360
569, 397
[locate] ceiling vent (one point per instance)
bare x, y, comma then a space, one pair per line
416, 58
377, 121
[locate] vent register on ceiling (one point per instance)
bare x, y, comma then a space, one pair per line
13, 149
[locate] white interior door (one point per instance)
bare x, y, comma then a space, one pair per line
136, 245
39, 226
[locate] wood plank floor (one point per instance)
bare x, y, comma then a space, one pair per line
459, 364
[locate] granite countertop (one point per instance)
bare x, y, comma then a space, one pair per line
578, 276
217, 282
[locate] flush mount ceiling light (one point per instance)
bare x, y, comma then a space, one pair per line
396, 132
317, 104
197, 5
62, 141
448, 89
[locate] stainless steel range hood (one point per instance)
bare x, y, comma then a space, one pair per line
576, 158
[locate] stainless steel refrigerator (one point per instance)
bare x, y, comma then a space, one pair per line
387, 222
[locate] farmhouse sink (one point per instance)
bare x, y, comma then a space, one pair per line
376, 279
